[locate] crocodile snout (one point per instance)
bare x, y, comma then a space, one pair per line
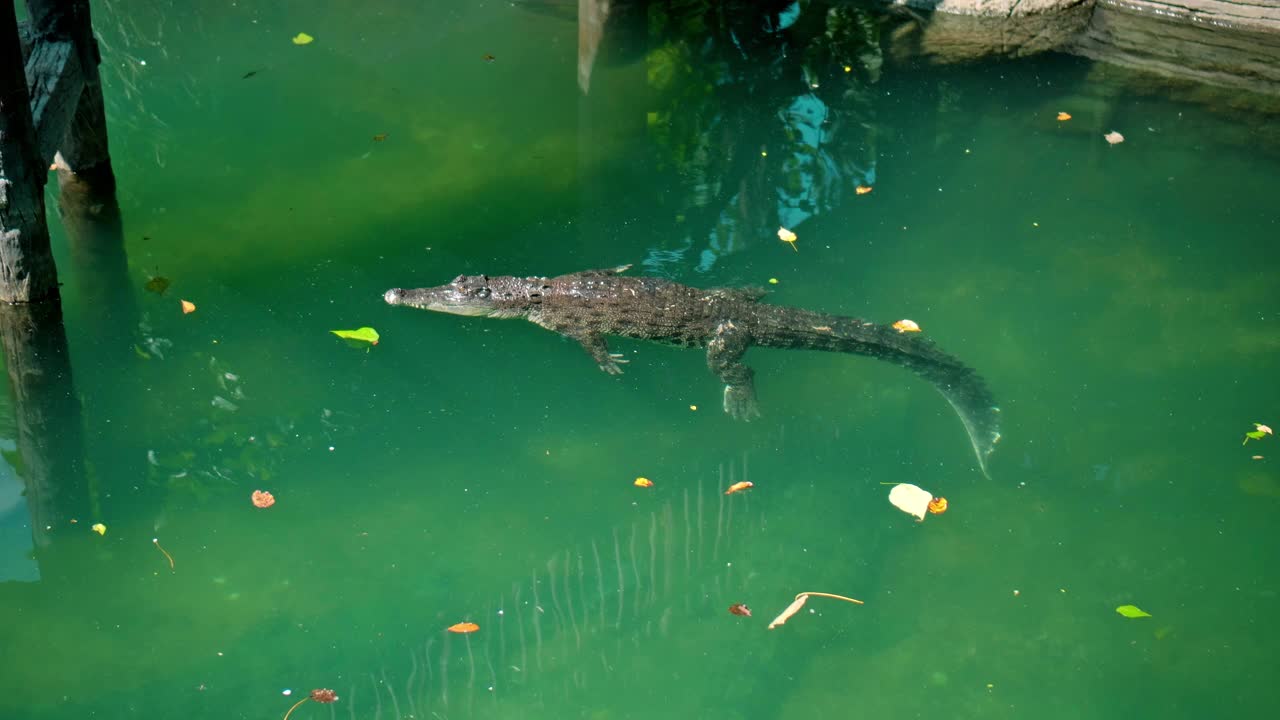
393, 296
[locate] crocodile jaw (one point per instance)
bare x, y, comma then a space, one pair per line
441, 299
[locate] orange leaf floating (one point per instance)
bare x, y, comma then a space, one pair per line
320, 695
1063, 117
643, 482
740, 609
906, 326
463, 628
862, 189
938, 505
323, 695
263, 499
739, 487
188, 307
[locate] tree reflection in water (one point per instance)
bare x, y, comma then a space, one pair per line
764, 119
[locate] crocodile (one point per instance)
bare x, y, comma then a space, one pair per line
588, 306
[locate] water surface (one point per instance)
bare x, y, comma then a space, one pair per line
1119, 299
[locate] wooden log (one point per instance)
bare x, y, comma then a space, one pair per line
27, 271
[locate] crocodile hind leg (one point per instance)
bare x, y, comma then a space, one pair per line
724, 357
598, 349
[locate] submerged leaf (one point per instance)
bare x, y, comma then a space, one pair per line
302, 39
188, 307
157, 284
463, 627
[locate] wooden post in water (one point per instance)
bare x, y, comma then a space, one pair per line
50, 106
27, 272
50, 100
82, 145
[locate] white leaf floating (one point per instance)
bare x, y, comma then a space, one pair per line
792, 609
801, 599
910, 499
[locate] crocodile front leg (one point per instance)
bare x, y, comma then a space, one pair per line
598, 349
724, 357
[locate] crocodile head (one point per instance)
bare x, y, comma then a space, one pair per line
476, 295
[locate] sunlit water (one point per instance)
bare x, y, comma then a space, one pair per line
1119, 299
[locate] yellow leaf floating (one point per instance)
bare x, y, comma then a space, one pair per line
1132, 611
906, 326
302, 39
643, 482
789, 237
99, 528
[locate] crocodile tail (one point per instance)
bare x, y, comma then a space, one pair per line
960, 384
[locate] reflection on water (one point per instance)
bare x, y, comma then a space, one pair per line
591, 623
764, 117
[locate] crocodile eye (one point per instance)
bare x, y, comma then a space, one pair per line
482, 293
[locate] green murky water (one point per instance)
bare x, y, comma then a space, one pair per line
1120, 300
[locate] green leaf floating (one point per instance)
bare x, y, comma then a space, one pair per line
364, 334
1260, 431
1132, 611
